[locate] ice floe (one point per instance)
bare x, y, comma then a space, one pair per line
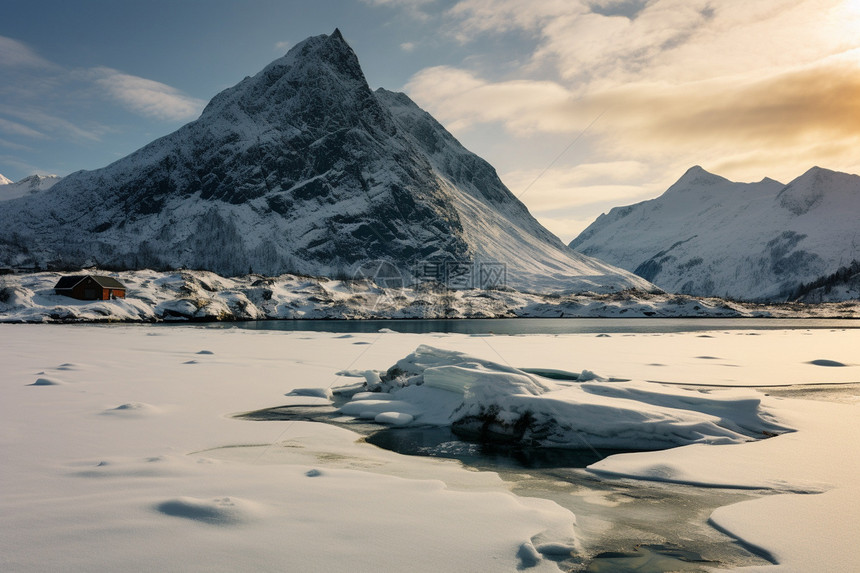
488, 401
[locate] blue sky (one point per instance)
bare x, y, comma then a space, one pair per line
581, 105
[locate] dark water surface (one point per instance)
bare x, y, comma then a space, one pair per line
540, 325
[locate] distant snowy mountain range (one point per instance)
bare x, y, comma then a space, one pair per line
26, 186
708, 236
302, 168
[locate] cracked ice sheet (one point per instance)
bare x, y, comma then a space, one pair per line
812, 524
814, 531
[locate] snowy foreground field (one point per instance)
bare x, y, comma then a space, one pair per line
120, 449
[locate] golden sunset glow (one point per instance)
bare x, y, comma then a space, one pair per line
746, 89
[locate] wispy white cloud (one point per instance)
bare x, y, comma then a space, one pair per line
585, 184
407, 46
461, 100
475, 17
283, 46
675, 40
419, 10
13, 145
616, 172
15, 128
556, 193
54, 105
14, 54
51, 125
564, 226
45, 80
23, 166
148, 97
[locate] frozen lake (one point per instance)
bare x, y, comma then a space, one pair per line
119, 439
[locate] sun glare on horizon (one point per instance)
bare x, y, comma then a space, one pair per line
847, 15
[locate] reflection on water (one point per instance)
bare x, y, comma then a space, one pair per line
625, 525
539, 325
631, 525
648, 558
441, 442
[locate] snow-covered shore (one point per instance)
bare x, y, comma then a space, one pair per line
204, 296
121, 452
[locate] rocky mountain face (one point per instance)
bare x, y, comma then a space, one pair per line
708, 236
302, 168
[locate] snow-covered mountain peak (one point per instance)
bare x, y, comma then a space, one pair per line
4, 180
29, 185
807, 192
303, 168
317, 88
759, 241
40, 182
694, 177
311, 60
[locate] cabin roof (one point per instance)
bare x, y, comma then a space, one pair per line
69, 282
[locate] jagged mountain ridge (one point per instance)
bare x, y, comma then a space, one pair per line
300, 168
27, 186
708, 236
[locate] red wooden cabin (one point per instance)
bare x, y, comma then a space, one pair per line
90, 287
